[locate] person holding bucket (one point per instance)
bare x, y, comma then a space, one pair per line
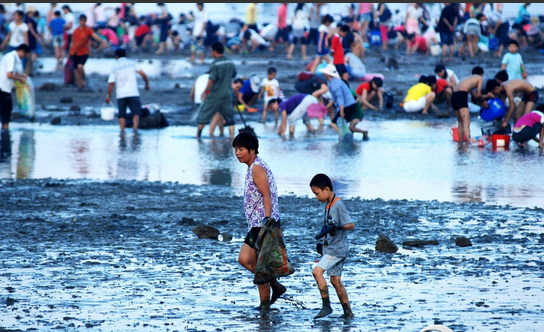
123, 77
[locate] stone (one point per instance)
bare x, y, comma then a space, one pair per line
66, 100
48, 86
463, 242
76, 108
419, 243
226, 237
55, 120
384, 244
206, 232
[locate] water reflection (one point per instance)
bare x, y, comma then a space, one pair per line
128, 159
216, 160
5, 154
27, 154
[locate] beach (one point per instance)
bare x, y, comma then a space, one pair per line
120, 255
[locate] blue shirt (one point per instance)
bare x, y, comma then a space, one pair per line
513, 64
57, 25
341, 94
246, 90
290, 104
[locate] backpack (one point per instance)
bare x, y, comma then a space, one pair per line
307, 83
389, 99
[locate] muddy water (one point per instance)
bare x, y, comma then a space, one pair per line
403, 160
120, 256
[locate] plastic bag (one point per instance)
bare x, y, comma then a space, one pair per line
344, 133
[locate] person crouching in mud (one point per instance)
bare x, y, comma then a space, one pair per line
260, 204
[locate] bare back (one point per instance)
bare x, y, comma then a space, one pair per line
470, 83
515, 86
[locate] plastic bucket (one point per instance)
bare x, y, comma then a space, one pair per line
500, 141
107, 112
496, 110
455, 134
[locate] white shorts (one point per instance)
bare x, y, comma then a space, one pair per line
415, 105
300, 111
333, 265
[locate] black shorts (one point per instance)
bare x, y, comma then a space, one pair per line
531, 97
312, 36
341, 69
302, 40
527, 133
140, 39
6, 106
79, 60
459, 99
133, 103
283, 34
251, 237
349, 113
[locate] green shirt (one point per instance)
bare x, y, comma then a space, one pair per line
222, 71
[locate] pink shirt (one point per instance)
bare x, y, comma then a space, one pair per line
282, 17
365, 8
110, 35
530, 119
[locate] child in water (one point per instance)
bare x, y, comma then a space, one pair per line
335, 247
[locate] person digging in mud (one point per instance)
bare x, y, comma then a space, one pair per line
260, 204
335, 248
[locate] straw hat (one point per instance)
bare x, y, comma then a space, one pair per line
330, 69
31, 9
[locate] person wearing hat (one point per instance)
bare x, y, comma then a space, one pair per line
292, 109
249, 93
343, 101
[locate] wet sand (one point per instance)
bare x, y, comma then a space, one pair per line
121, 256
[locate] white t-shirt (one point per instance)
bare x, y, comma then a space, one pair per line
271, 89
10, 63
201, 17
17, 34
70, 18
200, 86
355, 62
100, 13
123, 74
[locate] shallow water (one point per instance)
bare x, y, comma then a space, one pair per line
402, 160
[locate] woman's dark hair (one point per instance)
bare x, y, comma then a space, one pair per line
423, 79
378, 81
327, 18
238, 80
300, 6
431, 80
540, 108
440, 67
502, 76
246, 140
321, 181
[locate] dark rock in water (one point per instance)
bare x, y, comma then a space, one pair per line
47, 86
76, 108
206, 232
420, 243
55, 120
226, 237
93, 114
185, 221
177, 86
384, 244
66, 100
10, 301
463, 242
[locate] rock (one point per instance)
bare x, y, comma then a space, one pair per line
47, 86
66, 100
177, 86
206, 232
463, 242
76, 108
420, 243
55, 120
384, 244
225, 237
92, 115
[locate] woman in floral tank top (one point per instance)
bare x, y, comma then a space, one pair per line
260, 203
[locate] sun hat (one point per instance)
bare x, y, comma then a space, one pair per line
330, 69
255, 83
31, 9
316, 111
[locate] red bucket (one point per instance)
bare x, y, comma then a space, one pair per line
455, 134
500, 141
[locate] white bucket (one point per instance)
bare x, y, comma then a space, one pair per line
107, 112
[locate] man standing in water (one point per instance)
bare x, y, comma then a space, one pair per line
260, 204
222, 71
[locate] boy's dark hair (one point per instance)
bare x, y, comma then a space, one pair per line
423, 79
83, 17
431, 80
327, 19
238, 80
246, 140
491, 85
378, 81
271, 70
502, 76
345, 28
321, 181
273, 100
57, 13
20, 13
477, 71
120, 52
218, 47
479, 16
540, 108
200, 4
513, 41
440, 67
23, 47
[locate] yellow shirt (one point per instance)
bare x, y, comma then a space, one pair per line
251, 14
417, 91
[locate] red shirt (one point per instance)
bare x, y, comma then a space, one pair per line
421, 43
441, 84
363, 86
81, 39
336, 47
142, 30
282, 16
